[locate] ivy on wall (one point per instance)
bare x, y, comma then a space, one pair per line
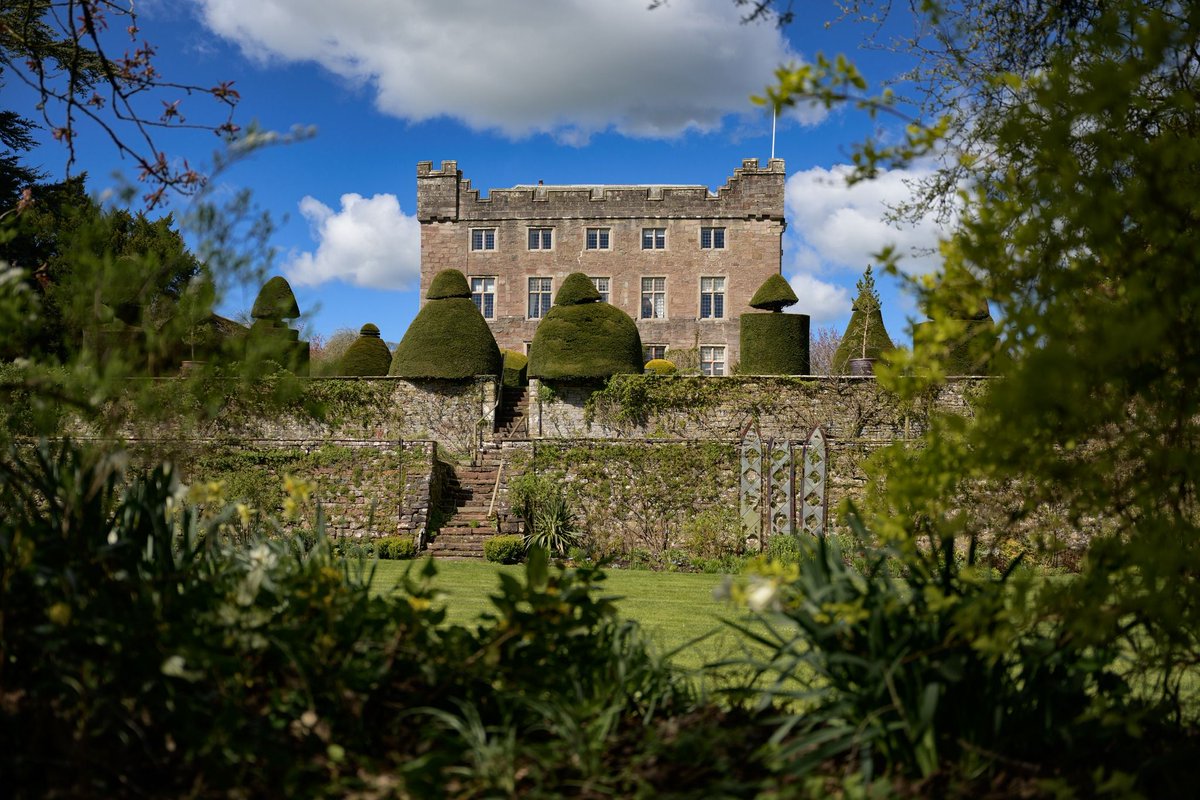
638, 496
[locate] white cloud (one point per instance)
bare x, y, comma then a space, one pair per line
566, 67
822, 301
831, 224
369, 242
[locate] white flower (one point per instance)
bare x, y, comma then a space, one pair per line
763, 597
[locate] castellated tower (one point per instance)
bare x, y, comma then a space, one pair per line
680, 260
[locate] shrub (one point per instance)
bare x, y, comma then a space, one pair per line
582, 337
516, 369
774, 295
449, 338
713, 533
396, 548
896, 670
278, 672
865, 336
660, 366
774, 344
275, 301
270, 338
968, 353
368, 355
504, 549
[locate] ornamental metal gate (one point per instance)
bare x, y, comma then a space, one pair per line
783, 487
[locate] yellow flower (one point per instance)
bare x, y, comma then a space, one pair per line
59, 614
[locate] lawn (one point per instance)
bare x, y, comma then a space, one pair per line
674, 608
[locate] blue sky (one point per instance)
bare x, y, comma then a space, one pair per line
563, 91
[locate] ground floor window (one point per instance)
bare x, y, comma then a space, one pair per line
601, 285
653, 351
712, 359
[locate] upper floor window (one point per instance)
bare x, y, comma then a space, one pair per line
483, 293
654, 298
654, 238
598, 238
712, 298
601, 285
712, 359
483, 238
541, 238
539, 297
712, 238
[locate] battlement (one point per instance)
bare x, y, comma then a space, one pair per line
752, 192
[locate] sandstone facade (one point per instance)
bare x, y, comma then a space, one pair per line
517, 245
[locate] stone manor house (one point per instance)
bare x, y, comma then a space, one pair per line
680, 260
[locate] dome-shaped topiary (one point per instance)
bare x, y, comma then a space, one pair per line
865, 336
774, 344
660, 366
516, 367
959, 296
577, 289
448, 283
275, 301
449, 338
583, 338
367, 355
774, 295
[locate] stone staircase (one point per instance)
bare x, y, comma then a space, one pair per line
511, 421
473, 488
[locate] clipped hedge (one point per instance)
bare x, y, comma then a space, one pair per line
968, 354
582, 337
275, 301
396, 548
775, 294
505, 549
660, 366
449, 338
516, 369
448, 283
367, 355
774, 344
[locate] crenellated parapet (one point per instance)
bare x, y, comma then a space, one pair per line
752, 192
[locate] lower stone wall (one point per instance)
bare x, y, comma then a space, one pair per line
365, 488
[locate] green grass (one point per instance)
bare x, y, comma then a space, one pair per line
675, 609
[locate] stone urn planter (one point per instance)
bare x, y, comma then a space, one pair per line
862, 367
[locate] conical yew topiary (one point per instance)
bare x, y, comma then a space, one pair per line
582, 337
449, 338
775, 343
865, 336
367, 355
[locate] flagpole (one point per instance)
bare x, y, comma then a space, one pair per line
774, 114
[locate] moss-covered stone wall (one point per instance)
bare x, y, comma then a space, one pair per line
639, 407
365, 488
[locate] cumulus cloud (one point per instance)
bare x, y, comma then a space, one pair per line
822, 301
831, 224
369, 242
568, 67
